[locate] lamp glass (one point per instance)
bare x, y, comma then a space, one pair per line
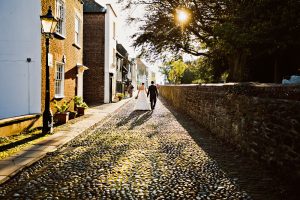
48, 22
53, 28
47, 25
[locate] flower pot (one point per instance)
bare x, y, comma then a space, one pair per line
72, 115
62, 118
80, 111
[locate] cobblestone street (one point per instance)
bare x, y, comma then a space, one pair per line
144, 155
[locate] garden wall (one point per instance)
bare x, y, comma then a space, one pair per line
260, 119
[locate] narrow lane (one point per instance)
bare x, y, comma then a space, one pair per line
144, 155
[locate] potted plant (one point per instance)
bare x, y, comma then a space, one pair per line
62, 114
80, 106
72, 114
120, 96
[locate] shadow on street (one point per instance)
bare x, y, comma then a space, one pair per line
252, 176
136, 118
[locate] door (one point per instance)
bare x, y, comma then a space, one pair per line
110, 87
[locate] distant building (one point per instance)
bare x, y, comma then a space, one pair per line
152, 77
133, 69
142, 72
99, 52
122, 69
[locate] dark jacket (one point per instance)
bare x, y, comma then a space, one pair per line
152, 90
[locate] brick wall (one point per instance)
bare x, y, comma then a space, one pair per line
93, 57
262, 120
60, 47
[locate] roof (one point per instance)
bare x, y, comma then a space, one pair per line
122, 50
91, 6
141, 67
112, 9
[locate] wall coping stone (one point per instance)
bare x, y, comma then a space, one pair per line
263, 90
14, 120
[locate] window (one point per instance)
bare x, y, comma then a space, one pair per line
60, 15
118, 63
77, 30
59, 80
114, 57
114, 30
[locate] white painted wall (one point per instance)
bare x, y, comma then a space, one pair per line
134, 74
20, 38
110, 45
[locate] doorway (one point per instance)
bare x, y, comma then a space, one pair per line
110, 86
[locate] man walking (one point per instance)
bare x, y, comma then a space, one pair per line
130, 89
152, 90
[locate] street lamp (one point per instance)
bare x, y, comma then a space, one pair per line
49, 23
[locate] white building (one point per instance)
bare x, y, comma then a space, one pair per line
20, 58
151, 77
142, 72
133, 75
110, 53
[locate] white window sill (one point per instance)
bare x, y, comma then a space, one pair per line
59, 96
59, 36
76, 45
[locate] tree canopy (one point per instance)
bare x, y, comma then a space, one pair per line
174, 70
241, 36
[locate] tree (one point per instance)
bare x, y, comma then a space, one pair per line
160, 32
253, 38
174, 70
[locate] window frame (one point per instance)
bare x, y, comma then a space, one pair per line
60, 13
114, 30
61, 80
77, 34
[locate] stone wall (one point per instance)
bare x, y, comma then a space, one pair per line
16, 125
260, 119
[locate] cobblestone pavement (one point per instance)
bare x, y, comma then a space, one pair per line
143, 155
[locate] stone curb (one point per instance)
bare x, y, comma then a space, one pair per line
13, 168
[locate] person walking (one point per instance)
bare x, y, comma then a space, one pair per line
142, 102
130, 89
152, 91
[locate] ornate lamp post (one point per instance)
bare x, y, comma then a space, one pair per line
48, 28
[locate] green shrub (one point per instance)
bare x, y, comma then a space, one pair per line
120, 96
78, 101
61, 108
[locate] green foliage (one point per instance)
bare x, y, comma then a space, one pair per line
203, 71
120, 96
188, 76
3, 140
61, 108
198, 71
78, 101
175, 70
224, 76
236, 36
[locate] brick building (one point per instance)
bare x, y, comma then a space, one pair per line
65, 53
99, 52
23, 66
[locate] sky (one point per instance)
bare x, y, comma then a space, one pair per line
125, 31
